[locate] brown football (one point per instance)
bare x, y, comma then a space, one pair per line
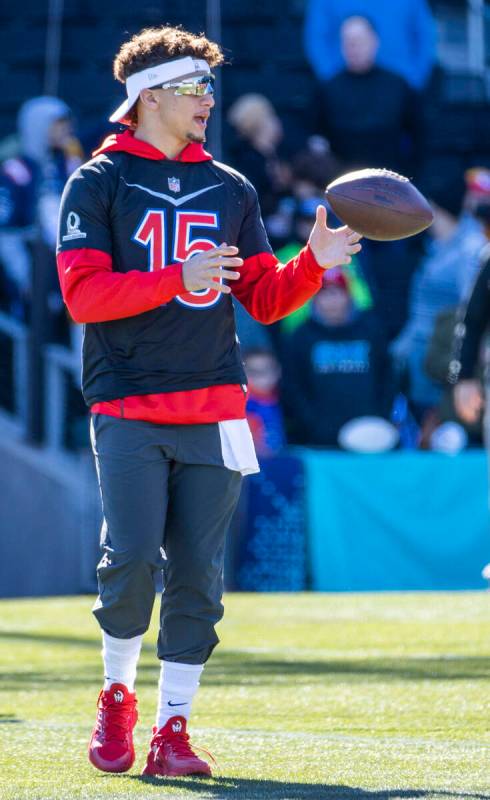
379, 204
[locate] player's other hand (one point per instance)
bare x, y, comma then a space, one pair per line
332, 247
468, 400
205, 270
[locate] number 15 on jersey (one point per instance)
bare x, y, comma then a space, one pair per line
152, 234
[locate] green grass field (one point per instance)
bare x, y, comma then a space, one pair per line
308, 696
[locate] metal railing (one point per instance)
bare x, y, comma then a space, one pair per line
19, 336
60, 364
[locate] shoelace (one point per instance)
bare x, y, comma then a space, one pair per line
113, 720
181, 745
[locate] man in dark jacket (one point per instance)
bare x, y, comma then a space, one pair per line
337, 367
368, 114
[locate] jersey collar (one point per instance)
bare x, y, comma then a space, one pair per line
126, 142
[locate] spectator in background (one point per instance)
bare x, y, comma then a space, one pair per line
448, 427
303, 221
264, 412
312, 168
31, 183
470, 396
255, 149
289, 228
371, 117
405, 28
337, 369
255, 136
441, 281
368, 113
442, 429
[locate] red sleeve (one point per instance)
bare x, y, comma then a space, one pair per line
94, 293
270, 290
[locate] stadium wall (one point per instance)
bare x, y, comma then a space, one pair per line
49, 520
311, 519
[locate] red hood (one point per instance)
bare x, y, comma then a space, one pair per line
127, 143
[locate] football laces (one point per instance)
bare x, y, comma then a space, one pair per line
389, 173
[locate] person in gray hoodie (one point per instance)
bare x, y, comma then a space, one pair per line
31, 183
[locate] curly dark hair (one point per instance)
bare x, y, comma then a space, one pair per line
153, 46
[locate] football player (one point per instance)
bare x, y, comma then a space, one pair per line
154, 238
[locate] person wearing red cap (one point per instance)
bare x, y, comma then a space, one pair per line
335, 277
154, 236
337, 368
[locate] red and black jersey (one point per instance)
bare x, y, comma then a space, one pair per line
128, 219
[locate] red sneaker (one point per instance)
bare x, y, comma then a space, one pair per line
111, 745
171, 753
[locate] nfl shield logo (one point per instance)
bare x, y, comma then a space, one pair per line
174, 184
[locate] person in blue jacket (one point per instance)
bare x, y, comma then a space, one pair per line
406, 32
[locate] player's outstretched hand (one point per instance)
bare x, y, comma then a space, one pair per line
204, 270
468, 400
332, 247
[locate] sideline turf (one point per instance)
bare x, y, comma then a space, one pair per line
375, 697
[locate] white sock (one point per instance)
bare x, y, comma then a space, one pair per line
176, 689
120, 660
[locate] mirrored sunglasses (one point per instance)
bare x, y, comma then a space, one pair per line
197, 87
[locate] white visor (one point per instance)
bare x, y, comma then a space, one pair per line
155, 76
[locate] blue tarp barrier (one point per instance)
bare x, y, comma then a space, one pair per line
400, 521
270, 545
315, 519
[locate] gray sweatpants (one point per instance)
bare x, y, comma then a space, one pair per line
167, 503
